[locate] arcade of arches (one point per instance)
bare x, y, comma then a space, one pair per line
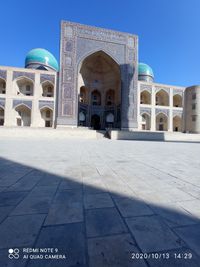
99, 85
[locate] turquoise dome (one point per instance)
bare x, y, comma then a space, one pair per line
144, 69
41, 56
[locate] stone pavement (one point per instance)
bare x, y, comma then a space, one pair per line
99, 203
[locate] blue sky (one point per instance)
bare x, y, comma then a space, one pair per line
168, 30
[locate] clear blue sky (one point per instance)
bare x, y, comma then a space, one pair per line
168, 30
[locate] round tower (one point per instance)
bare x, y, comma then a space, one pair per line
191, 110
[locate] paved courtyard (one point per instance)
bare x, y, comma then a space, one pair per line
99, 203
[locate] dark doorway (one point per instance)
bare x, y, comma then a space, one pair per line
161, 128
95, 122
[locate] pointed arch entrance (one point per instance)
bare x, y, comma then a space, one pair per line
99, 75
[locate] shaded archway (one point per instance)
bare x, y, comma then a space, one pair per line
83, 98
2, 86
146, 121
162, 98
145, 97
23, 116
177, 101
99, 82
177, 124
161, 122
47, 116
1, 116
95, 122
24, 86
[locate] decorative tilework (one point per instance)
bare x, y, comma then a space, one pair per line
166, 89
17, 102
79, 41
178, 113
43, 104
17, 74
145, 110
145, 87
178, 92
3, 74
47, 77
164, 111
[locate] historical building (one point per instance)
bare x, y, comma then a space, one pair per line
99, 85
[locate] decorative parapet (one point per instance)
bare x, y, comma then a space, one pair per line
17, 102
49, 104
145, 110
164, 111
17, 74
47, 77
3, 74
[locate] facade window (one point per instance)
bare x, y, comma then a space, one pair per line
193, 117
193, 96
161, 119
193, 106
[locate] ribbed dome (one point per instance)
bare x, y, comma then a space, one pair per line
144, 69
42, 57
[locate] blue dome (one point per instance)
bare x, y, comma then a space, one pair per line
144, 69
41, 56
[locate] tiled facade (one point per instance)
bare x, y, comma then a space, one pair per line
92, 62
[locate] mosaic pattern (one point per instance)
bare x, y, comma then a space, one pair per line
17, 102
47, 77
178, 92
43, 104
166, 89
177, 113
164, 111
145, 87
145, 110
17, 74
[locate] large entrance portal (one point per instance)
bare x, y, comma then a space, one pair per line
99, 87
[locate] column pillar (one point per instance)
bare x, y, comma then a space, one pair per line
170, 119
35, 105
8, 111
153, 111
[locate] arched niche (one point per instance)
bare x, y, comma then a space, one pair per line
47, 89
161, 122
24, 86
177, 101
177, 124
145, 97
145, 121
162, 98
47, 116
23, 115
